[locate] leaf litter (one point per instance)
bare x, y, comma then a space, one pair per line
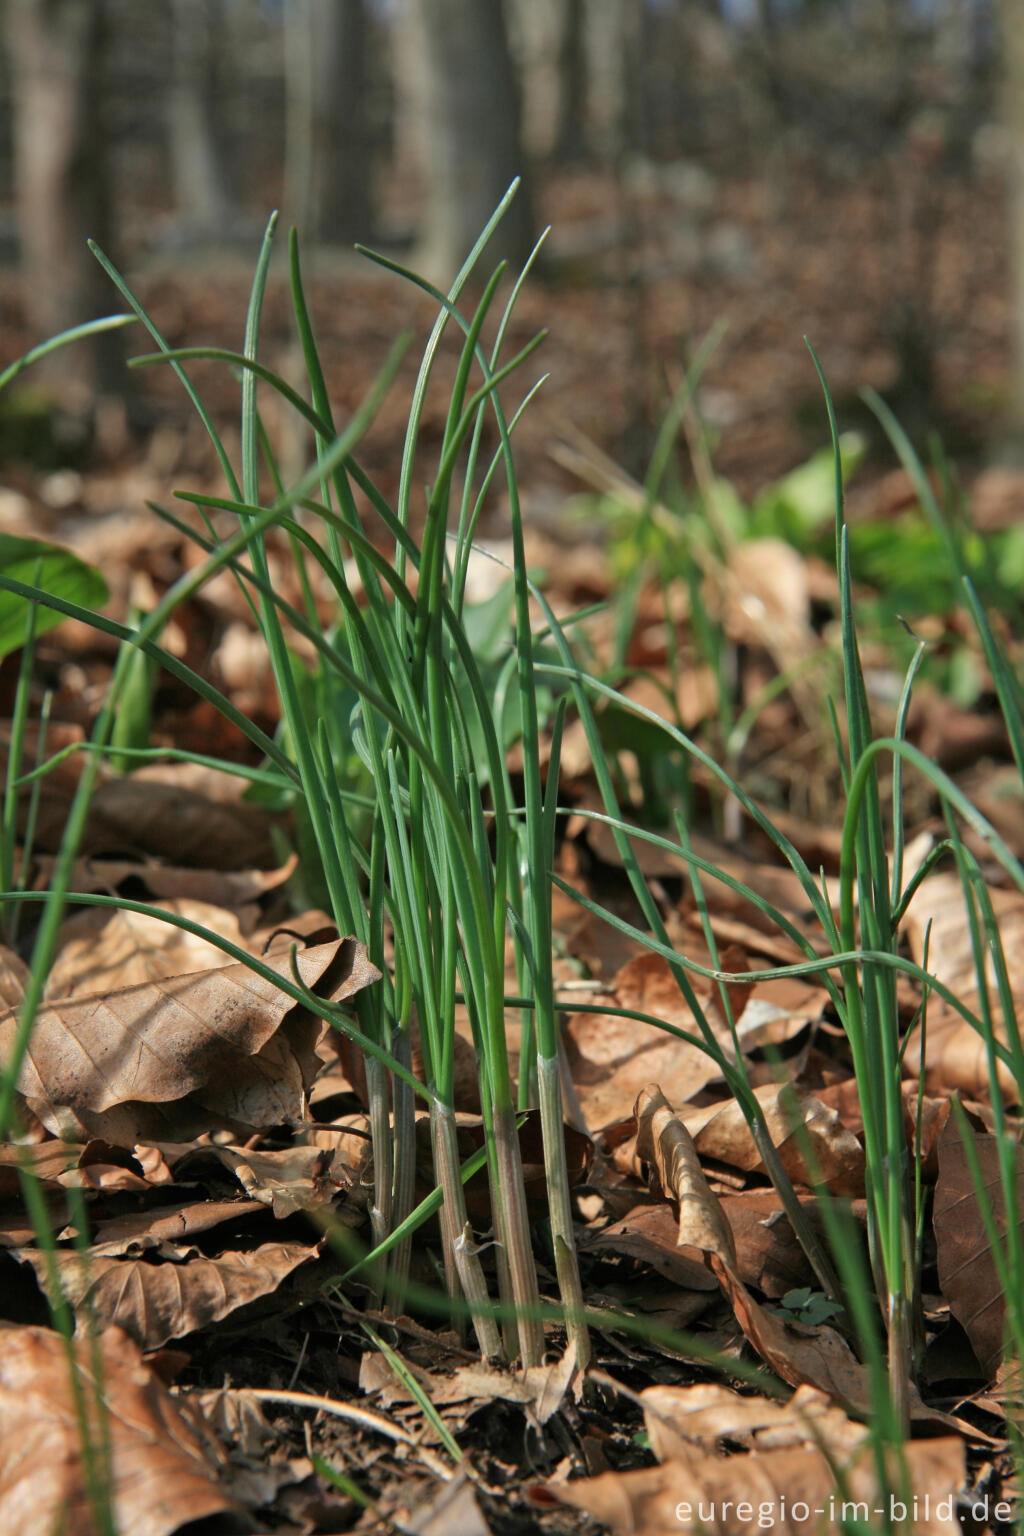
211, 1133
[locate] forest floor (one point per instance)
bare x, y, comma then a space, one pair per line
244, 1364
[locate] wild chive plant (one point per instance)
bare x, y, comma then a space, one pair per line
860, 976
442, 857
452, 870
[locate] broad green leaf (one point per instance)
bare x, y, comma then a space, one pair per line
55, 571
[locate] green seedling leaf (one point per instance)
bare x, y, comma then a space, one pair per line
806, 1306
57, 571
803, 501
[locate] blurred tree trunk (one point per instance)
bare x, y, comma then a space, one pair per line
1013, 119
549, 45
571, 137
201, 181
55, 49
328, 161
471, 129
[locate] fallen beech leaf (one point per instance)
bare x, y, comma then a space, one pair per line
163, 1472
169, 882
178, 811
820, 1357
732, 1495
173, 1058
540, 1387
650, 1234
14, 974
720, 1131
153, 1303
451, 1511
172, 1224
295, 1178
678, 1417
768, 1254
955, 1053
105, 951
968, 1276
613, 1058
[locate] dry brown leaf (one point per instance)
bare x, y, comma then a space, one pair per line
170, 1224
163, 1469
294, 1178
819, 1356
105, 951
768, 1254
677, 1418
541, 1388
174, 1058
968, 1276
14, 975
180, 812
955, 1053
168, 882
650, 1233
732, 1495
613, 1058
721, 1131
450, 1511
157, 1302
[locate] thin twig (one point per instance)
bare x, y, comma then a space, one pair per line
351, 1411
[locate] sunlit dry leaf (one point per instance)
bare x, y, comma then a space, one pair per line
800, 1127
664, 1142
171, 1224
174, 1058
967, 1270
613, 1058
157, 1302
295, 1178
163, 1469
818, 1356
14, 975
676, 1418
451, 1510
732, 1495
541, 1388
169, 882
104, 951
955, 1054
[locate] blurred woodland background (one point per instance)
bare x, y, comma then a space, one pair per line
850, 169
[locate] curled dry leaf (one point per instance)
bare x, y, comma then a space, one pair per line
813, 1144
968, 1276
163, 1468
105, 951
168, 882
613, 1058
782, 1490
173, 1058
179, 812
955, 1053
153, 1303
677, 1418
820, 1356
